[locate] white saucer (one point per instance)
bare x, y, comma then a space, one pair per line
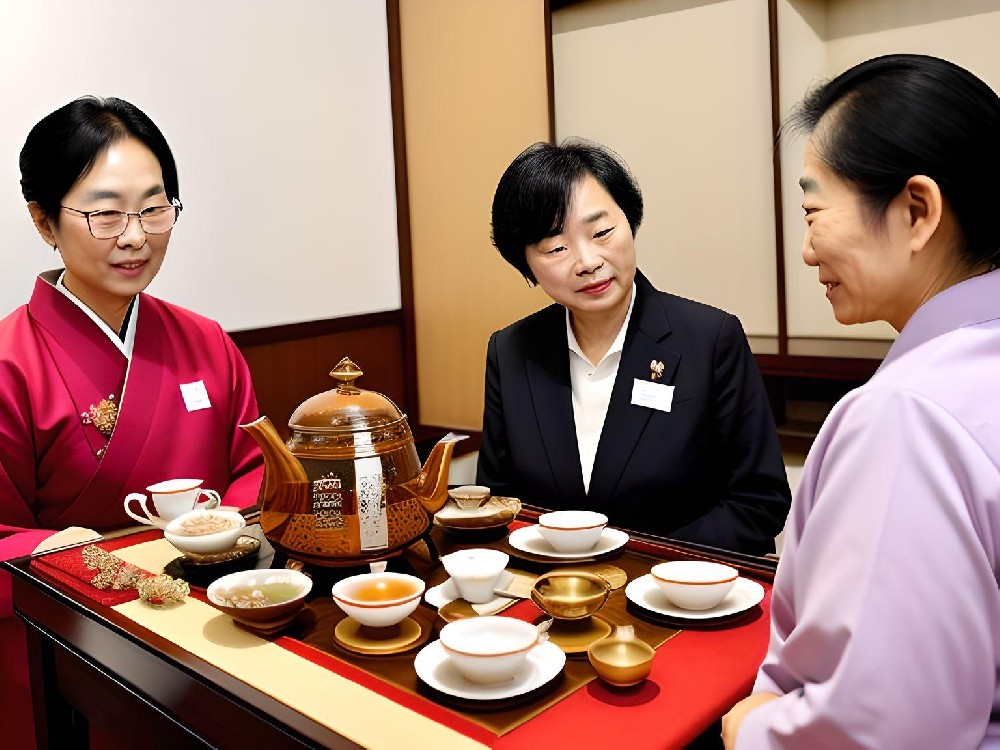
433, 666
529, 539
644, 592
446, 592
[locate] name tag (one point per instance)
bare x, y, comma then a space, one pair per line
195, 396
652, 395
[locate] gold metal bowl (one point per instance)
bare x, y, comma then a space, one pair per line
570, 595
622, 659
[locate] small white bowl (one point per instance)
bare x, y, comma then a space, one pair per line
204, 544
694, 584
368, 597
470, 496
572, 530
476, 572
489, 650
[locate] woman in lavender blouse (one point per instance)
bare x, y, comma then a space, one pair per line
886, 609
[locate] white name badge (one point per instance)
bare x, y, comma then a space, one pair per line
652, 395
195, 396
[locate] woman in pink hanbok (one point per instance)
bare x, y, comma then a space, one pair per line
104, 389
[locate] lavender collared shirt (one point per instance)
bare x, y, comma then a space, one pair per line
885, 614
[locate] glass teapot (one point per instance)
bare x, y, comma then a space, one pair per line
348, 487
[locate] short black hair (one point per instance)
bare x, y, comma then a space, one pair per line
63, 146
893, 117
534, 193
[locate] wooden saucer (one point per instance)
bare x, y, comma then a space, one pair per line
576, 636
459, 609
268, 627
362, 639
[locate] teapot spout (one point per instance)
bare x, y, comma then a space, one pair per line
283, 473
431, 484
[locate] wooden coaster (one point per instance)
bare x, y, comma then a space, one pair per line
361, 639
459, 609
268, 627
576, 636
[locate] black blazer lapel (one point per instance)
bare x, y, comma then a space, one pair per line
625, 421
552, 401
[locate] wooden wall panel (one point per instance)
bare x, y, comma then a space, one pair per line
475, 93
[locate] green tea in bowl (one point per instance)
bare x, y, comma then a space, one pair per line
260, 597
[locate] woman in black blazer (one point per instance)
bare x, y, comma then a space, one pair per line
620, 398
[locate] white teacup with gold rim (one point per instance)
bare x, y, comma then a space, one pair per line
379, 599
572, 531
171, 499
205, 532
490, 650
694, 584
475, 572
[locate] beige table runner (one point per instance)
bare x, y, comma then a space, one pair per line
345, 707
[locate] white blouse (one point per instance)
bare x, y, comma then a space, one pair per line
592, 387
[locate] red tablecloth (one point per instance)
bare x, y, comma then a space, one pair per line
697, 676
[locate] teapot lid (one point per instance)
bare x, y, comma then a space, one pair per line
345, 408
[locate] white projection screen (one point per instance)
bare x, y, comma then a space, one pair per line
279, 117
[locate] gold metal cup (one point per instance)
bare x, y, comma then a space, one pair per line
622, 659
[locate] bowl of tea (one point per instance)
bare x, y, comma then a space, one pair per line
205, 531
378, 600
260, 598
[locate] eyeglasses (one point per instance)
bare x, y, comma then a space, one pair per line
106, 225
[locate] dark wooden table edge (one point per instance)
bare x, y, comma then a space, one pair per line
37, 603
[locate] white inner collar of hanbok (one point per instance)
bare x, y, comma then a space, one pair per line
125, 347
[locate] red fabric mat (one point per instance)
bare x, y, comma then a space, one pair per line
691, 685
68, 567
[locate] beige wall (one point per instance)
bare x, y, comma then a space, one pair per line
475, 95
681, 89
820, 38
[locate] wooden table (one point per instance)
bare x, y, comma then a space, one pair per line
90, 664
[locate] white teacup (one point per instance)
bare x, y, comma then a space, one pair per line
379, 599
490, 650
470, 496
475, 572
572, 531
171, 499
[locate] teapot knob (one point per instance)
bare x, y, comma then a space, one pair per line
346, 372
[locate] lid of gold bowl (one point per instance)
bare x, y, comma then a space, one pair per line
336, 418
